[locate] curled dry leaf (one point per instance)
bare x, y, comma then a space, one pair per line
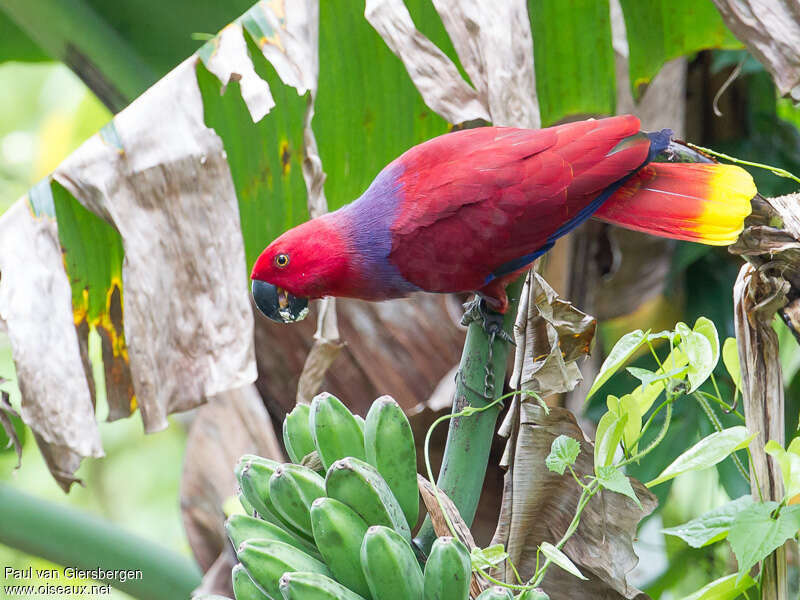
493, 43
538, 505
229, 425
556, 335
771, 32
165, 176
764, 287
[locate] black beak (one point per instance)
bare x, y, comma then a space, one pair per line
278, 304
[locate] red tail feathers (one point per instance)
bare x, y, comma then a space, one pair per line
698, 202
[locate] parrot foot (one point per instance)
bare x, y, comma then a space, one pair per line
476, 311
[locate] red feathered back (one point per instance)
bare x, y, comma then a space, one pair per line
478, 200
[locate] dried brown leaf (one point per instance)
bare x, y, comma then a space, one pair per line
539, 504
324, 351
403, 346
757, 296
556, 335
159, 174
771, 32
36, 308
434, 74
495, 45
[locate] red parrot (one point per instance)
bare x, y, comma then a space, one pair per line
467, 210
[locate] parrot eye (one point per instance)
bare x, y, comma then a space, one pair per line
281, 260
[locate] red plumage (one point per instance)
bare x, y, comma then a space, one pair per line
476, 200
464, 211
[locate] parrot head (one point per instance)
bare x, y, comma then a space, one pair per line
304, 263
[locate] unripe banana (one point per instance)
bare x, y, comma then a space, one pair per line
389, 446
361, 487
267, 561
335, 430
292, 489
297, 433
253, 473
245, 588
390, 567
496, 593
448, 571
338, 533
241, 528
313, 586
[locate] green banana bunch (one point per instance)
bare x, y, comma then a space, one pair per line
389, 565
336, 432
245, 588
496, 593
339, 532
361, 487
346, 536
267, 560
389, 446
313, 586
292, 489
448, 571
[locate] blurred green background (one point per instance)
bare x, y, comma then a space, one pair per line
45, 113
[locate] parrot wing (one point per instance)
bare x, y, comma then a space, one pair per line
482, 203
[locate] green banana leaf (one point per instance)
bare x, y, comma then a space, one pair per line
367, 110
660, 30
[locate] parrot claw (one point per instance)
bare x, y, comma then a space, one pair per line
492, 322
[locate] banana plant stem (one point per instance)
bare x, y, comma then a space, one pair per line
469, 439
73, 538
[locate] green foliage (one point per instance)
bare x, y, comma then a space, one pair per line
559, 558
611, 478
76, 539
753, 529
707, 452
367, 110
621, 353
759, 529
563, 453
730, 356
16, 45
660, 30
712, 526
265, 158
489, 557
607, 438
570, 82
789, 461
160, 33
724, 588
